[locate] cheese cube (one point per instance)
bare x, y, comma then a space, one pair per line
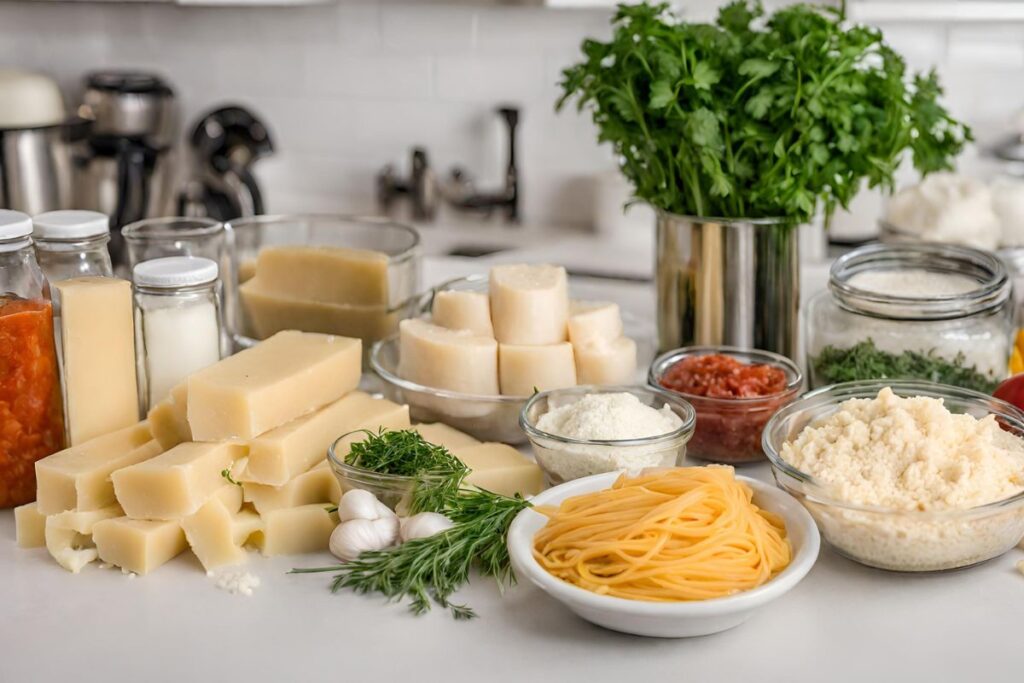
335, 275
456, 360
168, 419
276, 381
459, 310
97, 342
591, 321
68, 536
230, 496
291, 531
211, 535
318, 485
244, 525
529, 304
138, 545
289, 450
606, 362
499, 468
525, 369
441, 434
78, 478
29, 526
176, 483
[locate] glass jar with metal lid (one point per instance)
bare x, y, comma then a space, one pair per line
928, 311
72, 244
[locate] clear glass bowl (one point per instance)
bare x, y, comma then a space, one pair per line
899, 540
729, 429
563, 458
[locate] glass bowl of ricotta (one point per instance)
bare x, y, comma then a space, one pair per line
586, 430
904, 475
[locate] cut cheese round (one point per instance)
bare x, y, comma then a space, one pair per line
529, 304
606, 363
524, 369
591, 321
464, 311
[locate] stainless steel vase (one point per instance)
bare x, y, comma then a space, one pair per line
724, 281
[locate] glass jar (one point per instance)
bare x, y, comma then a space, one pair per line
72, 244
31, 408
178, 326
927, 311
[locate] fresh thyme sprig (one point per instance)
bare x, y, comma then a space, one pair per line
226, 473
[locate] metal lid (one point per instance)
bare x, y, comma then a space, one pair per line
175, 271
128, 82
14, 224
70, 224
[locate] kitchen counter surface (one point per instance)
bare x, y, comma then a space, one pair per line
844, 623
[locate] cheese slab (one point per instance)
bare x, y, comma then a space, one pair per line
441, 434
278, 380
176, 483
292, 531
336, 275
523, 370
291, 449
29, 526
97, 347
210, 534
591, 321
606, 362
68, 536
457, 360
500, 468
460, 310
168, 419
318, 485
138, 545
529, 304
78, 478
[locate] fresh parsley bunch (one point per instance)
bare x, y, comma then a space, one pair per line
752, 117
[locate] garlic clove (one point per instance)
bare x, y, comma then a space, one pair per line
359, 504
351, 539
387, 529
423, 525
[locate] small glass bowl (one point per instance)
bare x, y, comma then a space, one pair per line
729, 429
886, 538
563, 459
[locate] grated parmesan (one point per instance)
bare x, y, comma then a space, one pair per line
236, 583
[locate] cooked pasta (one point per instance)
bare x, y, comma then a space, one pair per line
682, 534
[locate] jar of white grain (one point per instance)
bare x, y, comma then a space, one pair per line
924, 311
178, 323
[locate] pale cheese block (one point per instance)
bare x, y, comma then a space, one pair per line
457, 360
278, 380
246, 526
459, 310
68, 536
168, 419
594, 321
501, 469
211, 535
606, 363
246, 270
529, 304
78, 478
441, 434
292, 531
230, 496
336, 275
138, 545
175, 483
522, 370
289, 450
97, 346
318, 485
29, 526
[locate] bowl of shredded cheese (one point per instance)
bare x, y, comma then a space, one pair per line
904, 475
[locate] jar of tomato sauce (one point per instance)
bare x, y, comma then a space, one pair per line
31, 410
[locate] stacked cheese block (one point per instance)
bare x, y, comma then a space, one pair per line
524, 336
140, 495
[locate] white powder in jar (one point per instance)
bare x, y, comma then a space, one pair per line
913, 282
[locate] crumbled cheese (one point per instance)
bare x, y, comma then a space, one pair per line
608, 417
909, 454
236, 583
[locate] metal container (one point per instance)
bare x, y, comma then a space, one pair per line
728, 281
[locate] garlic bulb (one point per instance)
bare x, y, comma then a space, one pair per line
352, 538
360, 504
423, 525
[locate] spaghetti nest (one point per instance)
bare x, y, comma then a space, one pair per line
682, 534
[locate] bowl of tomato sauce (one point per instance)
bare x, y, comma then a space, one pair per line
734, 392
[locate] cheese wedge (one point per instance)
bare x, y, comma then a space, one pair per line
291, 531
168, 419
458, 310
525, 369
336, 275
278, 380
318, 485
606, 362
442, 435
138, 545
499, 468
529, 304
29, 526
456, 360
68, 536
211, 535
591, 321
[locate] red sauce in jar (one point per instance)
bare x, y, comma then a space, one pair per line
720, 376
31, 412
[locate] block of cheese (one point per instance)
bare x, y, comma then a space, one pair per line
168, 419
499, 468
97, 343
529, 304
78, 478
291, 449
335, 275
29, 526
442, 435
246, 526
211, 535
176, 483
267, 312
276, 381
138, 545
457, 360
230, 496
318, 485
459, 310
525, 369
606, 362
291, 531
69, 536
594, 321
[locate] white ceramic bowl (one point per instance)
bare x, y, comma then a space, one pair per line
660, 619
